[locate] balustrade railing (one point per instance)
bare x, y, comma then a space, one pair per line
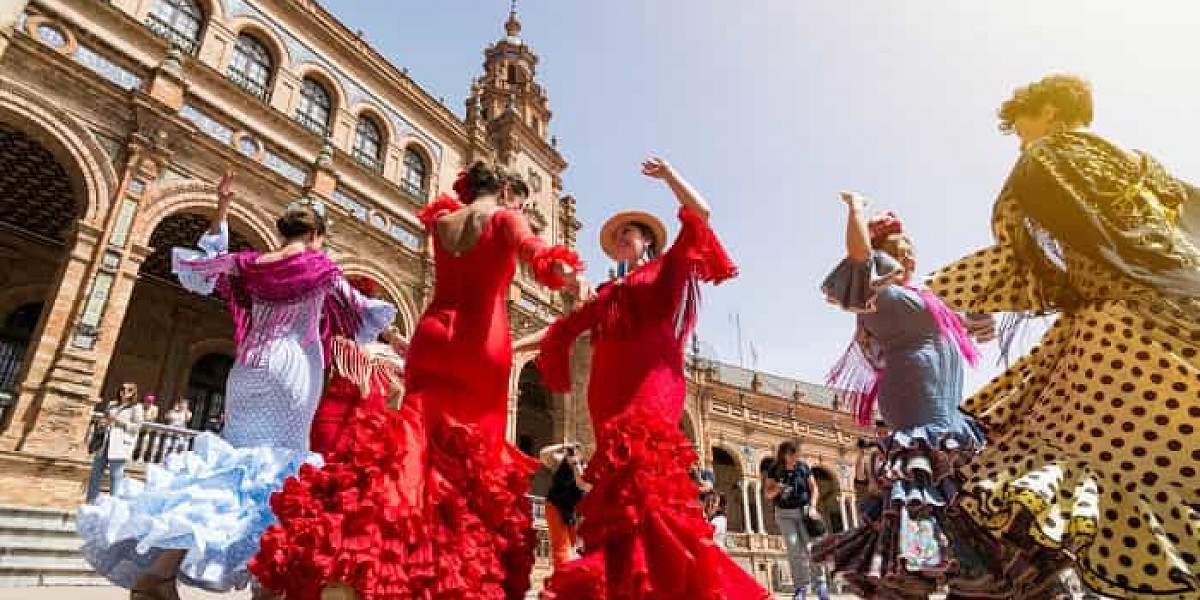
155, 441
539, 510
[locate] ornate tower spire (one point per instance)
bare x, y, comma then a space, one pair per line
506, 101
513, 27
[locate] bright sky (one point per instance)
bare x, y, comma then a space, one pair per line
770, 107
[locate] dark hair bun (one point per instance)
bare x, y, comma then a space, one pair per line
483, 178
1071, 95
297, 222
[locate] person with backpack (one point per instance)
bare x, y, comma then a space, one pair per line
791, 486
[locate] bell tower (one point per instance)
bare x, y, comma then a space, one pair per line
506, 101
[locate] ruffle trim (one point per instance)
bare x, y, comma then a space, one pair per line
545, 261
212, 502
710, 261
642, 527
921, 462
854, 286
904, 547
398, 521
443, 205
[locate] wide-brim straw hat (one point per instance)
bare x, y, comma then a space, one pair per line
612, 227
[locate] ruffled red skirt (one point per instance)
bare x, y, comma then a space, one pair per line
643, 531
336, 411
401, 515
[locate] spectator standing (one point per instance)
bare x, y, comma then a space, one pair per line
119, 426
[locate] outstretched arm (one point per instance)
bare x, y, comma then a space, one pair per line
858, 235
553, 266
224, 198
684, 192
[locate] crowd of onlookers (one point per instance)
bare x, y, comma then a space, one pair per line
117, 430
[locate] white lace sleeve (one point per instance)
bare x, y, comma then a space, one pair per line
376, 314
192, 278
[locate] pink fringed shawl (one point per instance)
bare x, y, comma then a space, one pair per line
282, 290
859, 370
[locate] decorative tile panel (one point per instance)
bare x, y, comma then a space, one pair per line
352, 206
211, 127
120, 233
280, 165
405, 236
122, 77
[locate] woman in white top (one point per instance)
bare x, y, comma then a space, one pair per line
715, 511
179, 415
122, 420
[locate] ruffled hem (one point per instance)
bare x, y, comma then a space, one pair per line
642, 528
395, 520
854, 285
545, 261
212, 502
443, 205
904, 547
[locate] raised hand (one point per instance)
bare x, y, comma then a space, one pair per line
657, 168
854, 200
225, 186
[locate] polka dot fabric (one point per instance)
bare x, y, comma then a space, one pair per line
1093, 435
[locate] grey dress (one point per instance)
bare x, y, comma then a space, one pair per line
903, 547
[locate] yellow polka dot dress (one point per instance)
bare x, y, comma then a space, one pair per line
1093, 444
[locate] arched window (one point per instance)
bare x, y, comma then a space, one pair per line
368, 144
178, 22
415, 173
313, 107
251, 66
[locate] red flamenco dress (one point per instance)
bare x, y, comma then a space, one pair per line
359, 378
643, 532
428, 502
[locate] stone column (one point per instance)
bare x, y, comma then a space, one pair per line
758, 496
749, 525
842, 508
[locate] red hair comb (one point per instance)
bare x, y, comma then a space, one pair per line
885, 224
463, 188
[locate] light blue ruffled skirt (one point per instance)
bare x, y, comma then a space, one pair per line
212, 502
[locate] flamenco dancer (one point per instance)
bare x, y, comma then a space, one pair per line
198, 518
907, 358
644, 534
367, 375
430, 501
1093, 445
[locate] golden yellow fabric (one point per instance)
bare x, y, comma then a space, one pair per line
1095, 431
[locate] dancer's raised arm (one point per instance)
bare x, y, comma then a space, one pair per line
684, 192
224, 198
858, 235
